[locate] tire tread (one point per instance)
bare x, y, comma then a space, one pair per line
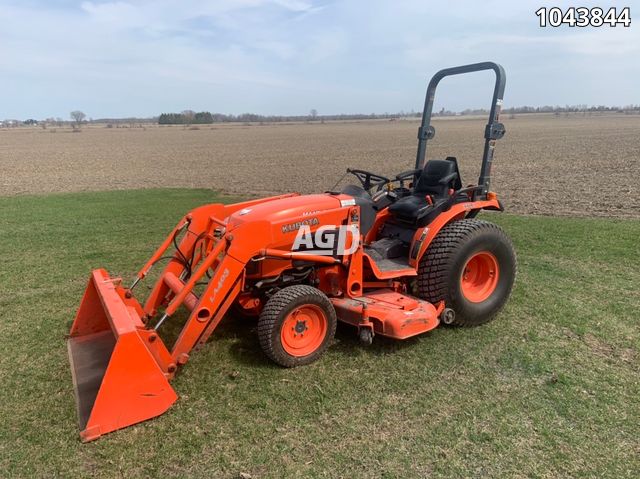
270, 317
435, 266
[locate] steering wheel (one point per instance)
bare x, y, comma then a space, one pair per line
369, 180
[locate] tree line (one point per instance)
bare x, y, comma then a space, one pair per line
189, 117
544, 109
186, 117
571, 109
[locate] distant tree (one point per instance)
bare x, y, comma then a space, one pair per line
313, 113
188, 116
78, 117
171, 119
248, 117
203, 117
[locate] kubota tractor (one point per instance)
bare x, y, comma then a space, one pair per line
392, 257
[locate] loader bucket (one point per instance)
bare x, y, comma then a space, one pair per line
117, 378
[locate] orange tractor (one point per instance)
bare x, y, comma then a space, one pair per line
392, 257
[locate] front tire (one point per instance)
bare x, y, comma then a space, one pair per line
296, 325
471, 266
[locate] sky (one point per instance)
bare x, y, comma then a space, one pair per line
285, 57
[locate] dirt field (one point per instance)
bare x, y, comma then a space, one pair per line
582, 165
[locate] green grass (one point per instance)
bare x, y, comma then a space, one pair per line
549, 389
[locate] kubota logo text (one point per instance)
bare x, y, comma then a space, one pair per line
328, 240
296, 226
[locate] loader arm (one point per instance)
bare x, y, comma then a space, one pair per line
227, 259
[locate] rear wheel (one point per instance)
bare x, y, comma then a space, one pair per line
296, 325
471, 266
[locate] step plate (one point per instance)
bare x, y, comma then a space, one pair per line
388, 268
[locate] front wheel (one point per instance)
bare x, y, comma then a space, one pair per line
296, 325
471, 266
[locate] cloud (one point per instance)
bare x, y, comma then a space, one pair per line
285, 56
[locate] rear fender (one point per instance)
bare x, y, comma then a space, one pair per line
424, 236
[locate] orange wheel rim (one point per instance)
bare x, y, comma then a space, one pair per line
479, 277
303, 330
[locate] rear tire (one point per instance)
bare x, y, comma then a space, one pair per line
471, 266
296, 325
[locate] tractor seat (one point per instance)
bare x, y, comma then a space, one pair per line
367, 206
436, 179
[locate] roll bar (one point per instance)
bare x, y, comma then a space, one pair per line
493, 131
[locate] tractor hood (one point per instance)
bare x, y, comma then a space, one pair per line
285, 209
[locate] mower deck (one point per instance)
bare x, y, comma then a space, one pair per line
389, 313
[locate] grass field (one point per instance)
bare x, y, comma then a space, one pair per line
549, 389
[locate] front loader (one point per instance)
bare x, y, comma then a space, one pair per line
392, 257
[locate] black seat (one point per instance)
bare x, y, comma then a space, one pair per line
436, 179
366, 204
